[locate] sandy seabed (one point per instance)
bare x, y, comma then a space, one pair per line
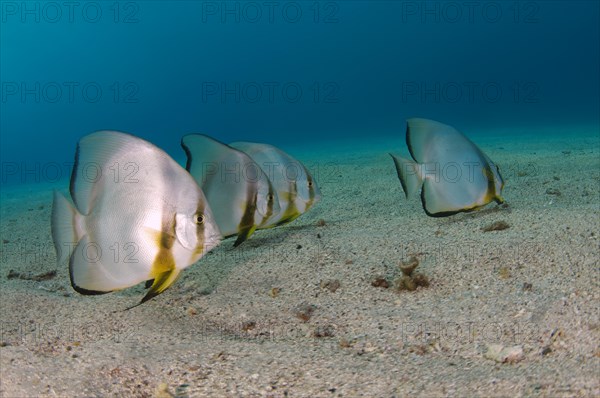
293, 311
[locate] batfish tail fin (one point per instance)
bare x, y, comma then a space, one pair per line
409, 175
66, 230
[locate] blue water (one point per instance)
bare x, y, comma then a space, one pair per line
287, 72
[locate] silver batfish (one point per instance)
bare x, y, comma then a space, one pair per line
240, 194
296, 188
137, 216
454, 175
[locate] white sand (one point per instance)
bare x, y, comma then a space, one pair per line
218, 331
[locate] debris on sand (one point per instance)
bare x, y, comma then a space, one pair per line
408, 267
496, 226
162, 391
304, 311
332, 285
323, 331
380, 282
504, 272
12, 274
501, 354
409, 279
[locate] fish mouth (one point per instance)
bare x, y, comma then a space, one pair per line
211, 241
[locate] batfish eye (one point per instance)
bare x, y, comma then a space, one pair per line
200, 219
270, 197
310, 183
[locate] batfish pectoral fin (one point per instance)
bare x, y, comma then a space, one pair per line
244, 234
161, 283
408, 174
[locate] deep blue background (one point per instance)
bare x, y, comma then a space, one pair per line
370, 61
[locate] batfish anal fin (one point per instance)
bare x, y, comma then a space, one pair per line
161, 283
244, 234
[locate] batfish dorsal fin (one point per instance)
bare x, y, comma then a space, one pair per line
96, 154
231, 181
422, 134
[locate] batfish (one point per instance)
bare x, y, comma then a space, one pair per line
454, 175
296, 189
240, 194
137, 216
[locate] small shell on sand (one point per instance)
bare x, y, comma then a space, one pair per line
496, 226
332, 285
501, 354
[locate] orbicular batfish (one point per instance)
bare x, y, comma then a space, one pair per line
137, 216
454, 175
296, 189
239, 193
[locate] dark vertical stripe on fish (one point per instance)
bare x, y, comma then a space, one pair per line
246, 226
291, 211
270, 203
311, 189
163, 267
200, 229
